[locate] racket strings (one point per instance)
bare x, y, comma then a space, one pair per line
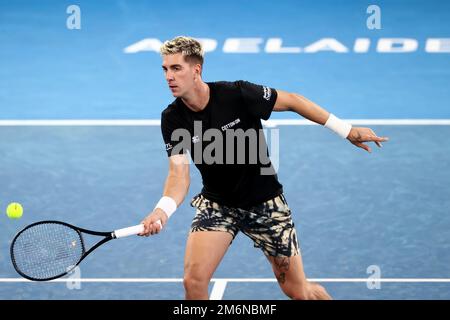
47, 250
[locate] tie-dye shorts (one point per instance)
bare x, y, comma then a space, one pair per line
269, 224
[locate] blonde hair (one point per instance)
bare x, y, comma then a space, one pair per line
190, 48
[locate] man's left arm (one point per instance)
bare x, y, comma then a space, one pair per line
356, 135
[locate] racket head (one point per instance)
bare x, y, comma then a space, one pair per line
47, 250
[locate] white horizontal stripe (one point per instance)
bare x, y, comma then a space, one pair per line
222, 280
268, 123
395, 122
99, 122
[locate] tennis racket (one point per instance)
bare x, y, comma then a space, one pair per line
47, 250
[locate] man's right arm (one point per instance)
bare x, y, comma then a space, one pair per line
176, 187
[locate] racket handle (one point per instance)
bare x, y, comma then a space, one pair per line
131, 231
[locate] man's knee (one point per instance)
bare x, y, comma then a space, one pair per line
195, 280
194, 283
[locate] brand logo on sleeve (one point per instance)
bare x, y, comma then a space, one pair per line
267, 93
168, 146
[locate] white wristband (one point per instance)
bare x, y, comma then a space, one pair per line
167, 204
340, 127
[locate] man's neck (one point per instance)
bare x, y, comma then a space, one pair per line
198, 99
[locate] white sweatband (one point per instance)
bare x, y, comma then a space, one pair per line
167, 204
340, 127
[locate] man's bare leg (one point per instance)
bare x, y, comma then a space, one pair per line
291, 278
204, 251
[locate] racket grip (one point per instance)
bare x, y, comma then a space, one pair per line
131, 231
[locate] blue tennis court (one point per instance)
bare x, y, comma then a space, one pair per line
80, 140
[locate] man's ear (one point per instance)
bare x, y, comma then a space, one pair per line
198, 69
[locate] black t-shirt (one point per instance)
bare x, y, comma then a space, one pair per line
226, 142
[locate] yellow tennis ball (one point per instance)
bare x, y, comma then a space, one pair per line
14, 210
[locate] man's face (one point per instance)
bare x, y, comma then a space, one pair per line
179, 74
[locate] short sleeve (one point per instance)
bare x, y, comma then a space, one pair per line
259, 99
174, 135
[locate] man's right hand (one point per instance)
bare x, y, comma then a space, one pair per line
151, 226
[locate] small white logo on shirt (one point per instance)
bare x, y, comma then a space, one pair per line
231, 124
267, 93
195, 139
168, 146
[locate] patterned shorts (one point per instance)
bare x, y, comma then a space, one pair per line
269, 224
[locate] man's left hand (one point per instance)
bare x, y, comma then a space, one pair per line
359, 135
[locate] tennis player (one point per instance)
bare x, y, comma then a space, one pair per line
237, 195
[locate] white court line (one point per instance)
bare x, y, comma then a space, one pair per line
224, 280
268, 123
388, 122
218, 289
220, 284
99, 122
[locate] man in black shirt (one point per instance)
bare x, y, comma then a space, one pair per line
219, 125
